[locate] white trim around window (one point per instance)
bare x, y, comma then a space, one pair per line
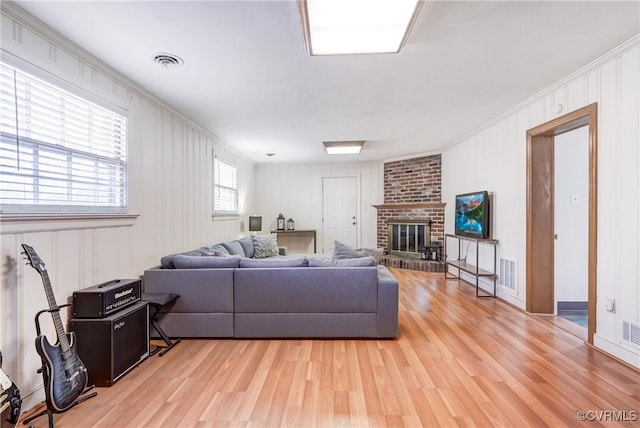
225, 188
60, 153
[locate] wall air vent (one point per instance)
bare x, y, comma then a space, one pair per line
508, 277
167, 60
631, 333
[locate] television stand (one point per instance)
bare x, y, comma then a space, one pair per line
461, 265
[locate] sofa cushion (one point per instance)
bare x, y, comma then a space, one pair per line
319, 261
234, 248
247, 246
167, 261
354, 262
182, 261
265, 246
274, 262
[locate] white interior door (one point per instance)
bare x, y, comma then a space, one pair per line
339, 212
571, 221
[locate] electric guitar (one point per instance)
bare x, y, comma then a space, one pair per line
65, 376
10, 401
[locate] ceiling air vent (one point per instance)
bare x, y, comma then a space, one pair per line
167, 60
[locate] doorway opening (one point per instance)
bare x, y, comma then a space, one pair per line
541, 214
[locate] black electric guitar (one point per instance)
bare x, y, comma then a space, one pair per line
65, 376
10, 401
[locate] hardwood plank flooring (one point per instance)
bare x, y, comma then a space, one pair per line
459, 362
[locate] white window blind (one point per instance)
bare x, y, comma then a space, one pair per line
225, 188
58, 152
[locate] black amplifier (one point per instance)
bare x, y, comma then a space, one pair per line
104, 299
109, 347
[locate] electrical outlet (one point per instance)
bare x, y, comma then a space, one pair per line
610, 305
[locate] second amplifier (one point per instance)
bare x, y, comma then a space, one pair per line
104, 299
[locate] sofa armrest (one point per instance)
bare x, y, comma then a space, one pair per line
200, 290
387, 318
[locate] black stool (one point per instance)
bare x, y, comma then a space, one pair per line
156, 302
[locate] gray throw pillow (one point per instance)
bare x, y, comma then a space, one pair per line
247, 246
343, 251
205, 262
377, 253
234, 247
167, 261
274, 262
265, 246
220, 249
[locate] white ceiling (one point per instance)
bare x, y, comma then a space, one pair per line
247, 78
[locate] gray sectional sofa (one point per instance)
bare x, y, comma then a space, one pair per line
275, 297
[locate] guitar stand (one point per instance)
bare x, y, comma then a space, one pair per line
45, 377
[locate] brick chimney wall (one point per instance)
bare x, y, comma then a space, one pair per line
412, 181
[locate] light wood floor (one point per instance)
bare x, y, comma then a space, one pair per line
459, 361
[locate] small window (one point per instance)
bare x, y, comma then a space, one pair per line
225, 199
59, 153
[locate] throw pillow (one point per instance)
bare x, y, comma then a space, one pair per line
343, 251
264, 246
219, 248
247, 246
167, 261
205, 262
377, 253
234, 247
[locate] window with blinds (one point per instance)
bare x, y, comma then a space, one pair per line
225, 200
59, 153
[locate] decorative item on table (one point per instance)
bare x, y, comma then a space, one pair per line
430, 252
280, 222
291, 225
255, 223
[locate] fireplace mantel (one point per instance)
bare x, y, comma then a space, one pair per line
413, 206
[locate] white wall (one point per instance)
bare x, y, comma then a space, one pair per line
571, 205
296, 191
494, 158
170, 188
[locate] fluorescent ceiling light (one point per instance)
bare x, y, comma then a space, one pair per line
342, 147
333, 27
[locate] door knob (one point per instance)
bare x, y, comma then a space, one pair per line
354, 223
555, 236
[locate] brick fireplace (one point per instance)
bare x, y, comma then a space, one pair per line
412, 195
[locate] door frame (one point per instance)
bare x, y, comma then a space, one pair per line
544, 134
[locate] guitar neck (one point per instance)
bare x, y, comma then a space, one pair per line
55, 312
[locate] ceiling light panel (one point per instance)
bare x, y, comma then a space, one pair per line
343, 147
356, 26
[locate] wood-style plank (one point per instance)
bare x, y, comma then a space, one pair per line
459, 362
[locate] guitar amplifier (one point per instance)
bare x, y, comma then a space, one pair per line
105, 299
109, 347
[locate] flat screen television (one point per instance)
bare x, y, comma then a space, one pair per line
473, 215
